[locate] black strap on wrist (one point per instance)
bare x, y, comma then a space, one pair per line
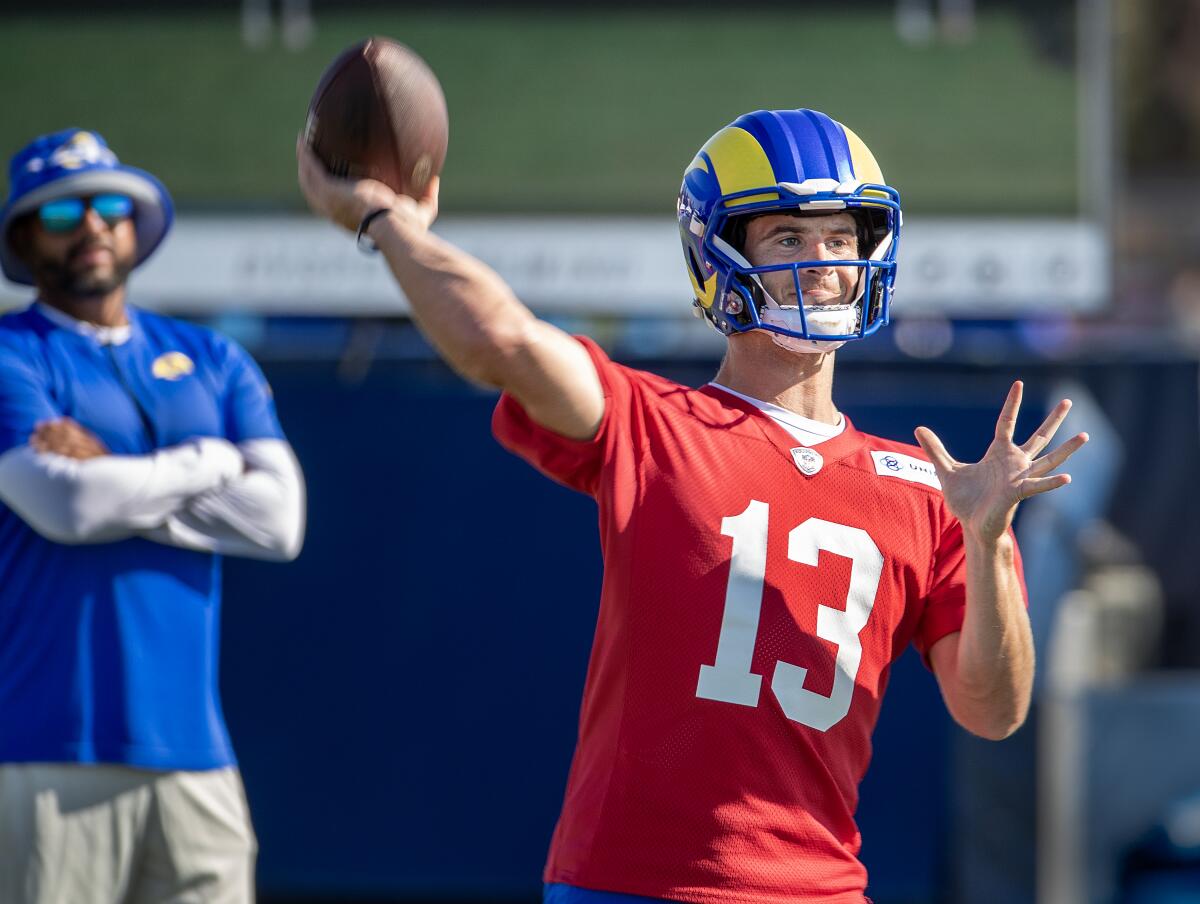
364, 242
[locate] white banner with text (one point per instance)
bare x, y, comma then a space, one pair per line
615, 265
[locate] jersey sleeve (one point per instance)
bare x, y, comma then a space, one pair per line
24, 399
249, 406
946, 601
577, 464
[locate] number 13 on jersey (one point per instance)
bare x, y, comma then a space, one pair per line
729, 678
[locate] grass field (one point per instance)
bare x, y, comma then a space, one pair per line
571, 112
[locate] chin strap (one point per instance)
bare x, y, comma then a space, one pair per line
789, 318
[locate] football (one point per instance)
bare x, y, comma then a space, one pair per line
379, 113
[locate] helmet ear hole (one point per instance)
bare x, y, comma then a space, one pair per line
695, 266
872, 227
735, 232
865, 236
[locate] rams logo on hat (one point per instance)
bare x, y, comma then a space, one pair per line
172, 366
81, 148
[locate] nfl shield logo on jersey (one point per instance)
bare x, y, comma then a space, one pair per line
809, 461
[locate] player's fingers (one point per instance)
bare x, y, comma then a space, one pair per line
303, 158
307, 156
1042, 436
314, 178
428, 202
1007, 422
82, 434
305, 174
326, 196
59, 427
71, 430
47, 444
1032, 486
429, 196
928, 440
1052, 460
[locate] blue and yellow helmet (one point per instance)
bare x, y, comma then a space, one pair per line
774, 161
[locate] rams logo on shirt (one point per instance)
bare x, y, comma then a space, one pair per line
172, 366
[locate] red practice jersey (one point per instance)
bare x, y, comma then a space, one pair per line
754, 598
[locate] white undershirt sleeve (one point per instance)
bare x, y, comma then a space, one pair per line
259, 514
111, 497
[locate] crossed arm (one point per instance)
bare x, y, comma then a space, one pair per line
206, 494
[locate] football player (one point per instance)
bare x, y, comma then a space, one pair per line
764, 561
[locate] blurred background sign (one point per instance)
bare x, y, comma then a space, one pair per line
603, 265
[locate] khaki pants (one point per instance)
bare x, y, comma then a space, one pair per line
74, 834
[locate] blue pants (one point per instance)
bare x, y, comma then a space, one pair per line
557, 893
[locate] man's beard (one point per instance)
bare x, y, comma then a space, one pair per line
63, 278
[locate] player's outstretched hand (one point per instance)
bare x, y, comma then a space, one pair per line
346, 201
64, 436
984, 496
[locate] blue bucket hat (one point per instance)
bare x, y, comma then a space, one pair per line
77, 162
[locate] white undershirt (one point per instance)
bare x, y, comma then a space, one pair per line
804, 430
104, 335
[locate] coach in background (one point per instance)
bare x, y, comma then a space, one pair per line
135, 450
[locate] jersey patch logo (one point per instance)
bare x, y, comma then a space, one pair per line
897, 464
172, 366
809, 461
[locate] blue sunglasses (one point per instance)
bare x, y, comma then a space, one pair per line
66, 214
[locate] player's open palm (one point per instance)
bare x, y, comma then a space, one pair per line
984, 495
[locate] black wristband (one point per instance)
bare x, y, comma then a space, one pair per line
361, 239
